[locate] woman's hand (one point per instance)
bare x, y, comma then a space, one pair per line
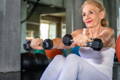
81, 39
36, 43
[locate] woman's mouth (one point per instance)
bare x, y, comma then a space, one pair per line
89, 21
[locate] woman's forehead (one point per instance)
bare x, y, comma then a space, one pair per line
90, 7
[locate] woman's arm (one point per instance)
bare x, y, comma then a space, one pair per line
58, 44
107, 36
37, 43
80, 37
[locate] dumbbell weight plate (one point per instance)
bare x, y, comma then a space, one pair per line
47, 44
67, 39
97, 44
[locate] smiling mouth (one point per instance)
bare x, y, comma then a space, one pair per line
88, 21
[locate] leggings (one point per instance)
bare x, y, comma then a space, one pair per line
72, 67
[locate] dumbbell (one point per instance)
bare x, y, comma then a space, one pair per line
26, 45
47, 44
96, 44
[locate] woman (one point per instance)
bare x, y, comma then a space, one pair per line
90, 65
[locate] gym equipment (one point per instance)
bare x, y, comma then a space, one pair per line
36, 51
30, 61
51, 53
47, 44
67, 39
117, 48
26, 45
96, 44
27, 61
74, 50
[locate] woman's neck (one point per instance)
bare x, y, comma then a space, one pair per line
94, 28
94, 31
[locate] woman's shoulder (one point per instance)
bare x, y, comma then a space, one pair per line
76, 32
108, 30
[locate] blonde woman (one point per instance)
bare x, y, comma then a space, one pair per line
90, 65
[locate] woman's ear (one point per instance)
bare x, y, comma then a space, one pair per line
102, 14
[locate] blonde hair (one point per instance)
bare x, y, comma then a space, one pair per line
98, 4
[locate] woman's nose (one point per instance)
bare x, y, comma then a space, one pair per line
87, 16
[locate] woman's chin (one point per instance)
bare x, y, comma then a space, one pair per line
89, 26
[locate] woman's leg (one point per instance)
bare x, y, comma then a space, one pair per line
76, 68
89, 72
54, 68
70, 69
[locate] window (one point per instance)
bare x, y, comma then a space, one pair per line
47, 30
30, 34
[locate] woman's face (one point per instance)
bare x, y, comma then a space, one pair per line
92, 16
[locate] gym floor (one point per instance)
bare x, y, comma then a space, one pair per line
30, 75
10, 76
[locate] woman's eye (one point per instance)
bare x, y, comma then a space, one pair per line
91, 12
83, 14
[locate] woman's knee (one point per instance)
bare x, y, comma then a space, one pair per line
58, 58
72, 57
